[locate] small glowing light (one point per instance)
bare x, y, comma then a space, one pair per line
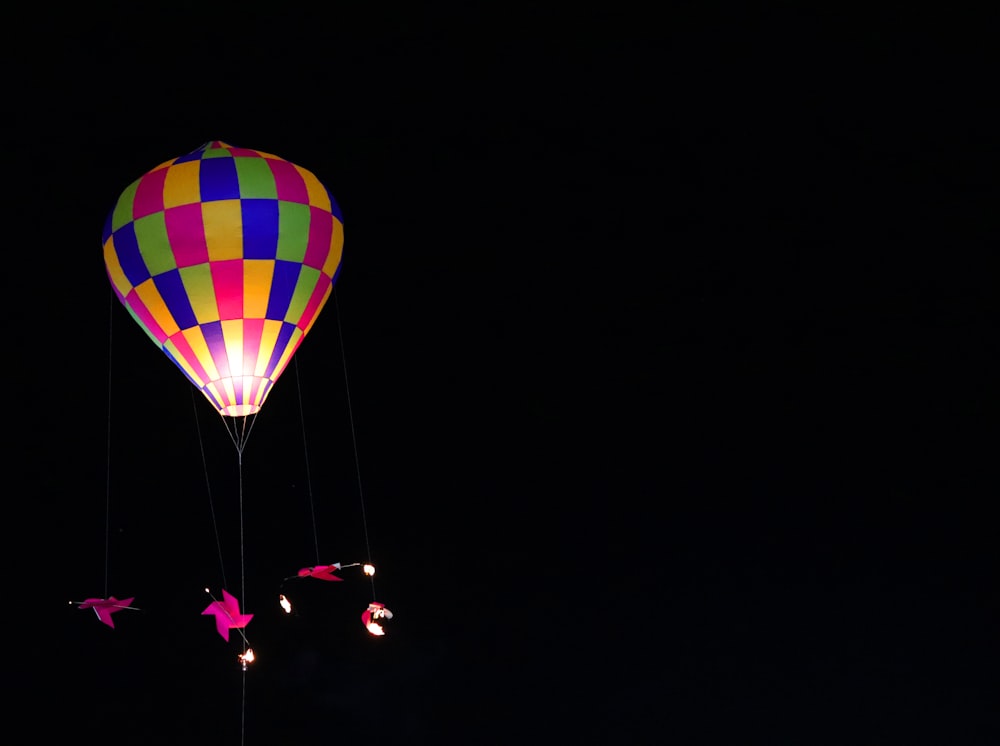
369, 570
246, 658
285, 604
375, 629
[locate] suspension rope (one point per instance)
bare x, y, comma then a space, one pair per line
243, 583
354, 437
243, 594
305, 450
243, 702
240, 432
107, 494
208, 488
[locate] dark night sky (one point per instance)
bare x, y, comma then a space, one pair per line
670, 354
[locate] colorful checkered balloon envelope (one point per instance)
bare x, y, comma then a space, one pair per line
225, 257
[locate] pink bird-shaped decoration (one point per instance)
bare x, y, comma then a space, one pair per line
105, 607
227, 614
323, 572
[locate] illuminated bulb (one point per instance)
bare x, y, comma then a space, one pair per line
285, 604
369, 570
246, 658
375, 629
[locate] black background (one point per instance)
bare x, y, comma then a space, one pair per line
669, 410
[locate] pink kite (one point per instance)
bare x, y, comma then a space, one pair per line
323, 572
227, 614
105, 607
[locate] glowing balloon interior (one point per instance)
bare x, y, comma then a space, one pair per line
225, 257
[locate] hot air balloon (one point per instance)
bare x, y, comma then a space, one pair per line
225, 257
